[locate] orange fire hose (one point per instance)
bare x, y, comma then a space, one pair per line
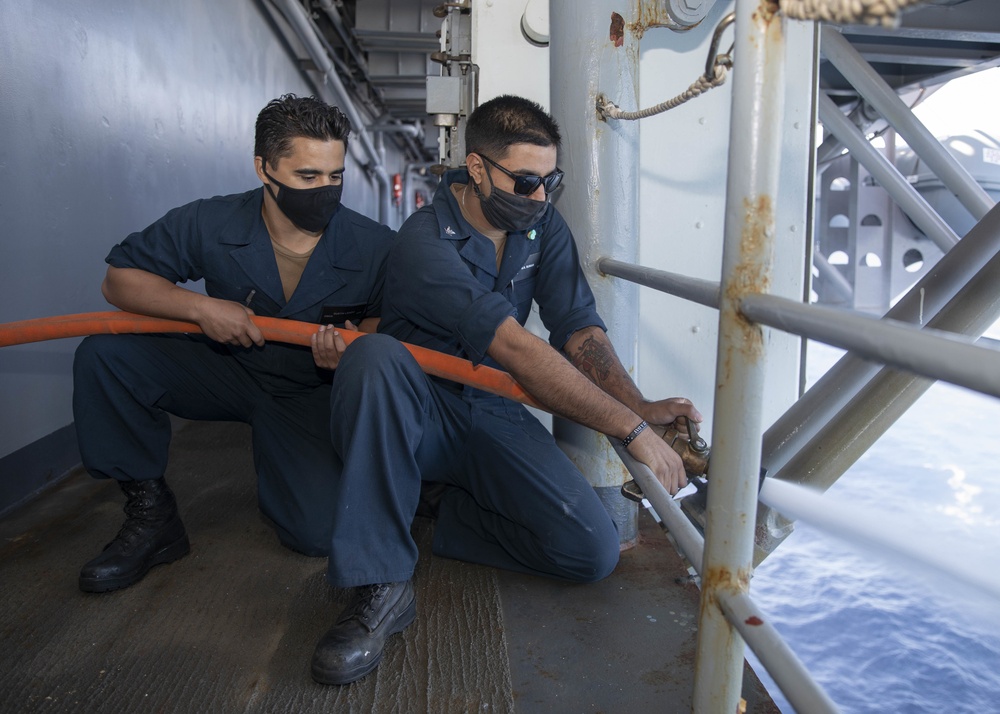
274, 329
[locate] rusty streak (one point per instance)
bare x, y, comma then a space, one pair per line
718, 578
766, 11
750, 276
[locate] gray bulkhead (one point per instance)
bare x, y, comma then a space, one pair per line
112, 114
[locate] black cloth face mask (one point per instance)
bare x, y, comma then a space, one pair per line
508, 211
308, 208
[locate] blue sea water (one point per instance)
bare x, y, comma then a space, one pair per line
877, 635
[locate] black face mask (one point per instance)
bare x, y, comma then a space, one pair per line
308, 208
508, 211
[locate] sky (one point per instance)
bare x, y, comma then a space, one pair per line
961, 107
964, 105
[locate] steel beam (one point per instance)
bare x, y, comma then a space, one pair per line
787, 670
881, 96
925, 352
902, 192
833, 276
954, 276
703, 292
844, 380
856, 426
784, 666
688, 538
851, 429
751, 195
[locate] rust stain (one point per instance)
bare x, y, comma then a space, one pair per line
655, 13
650, 14
766, 11
715, 579
754, 620
764, 18
617, 29
750, 275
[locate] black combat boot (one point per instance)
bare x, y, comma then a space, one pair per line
152, 534
353, 646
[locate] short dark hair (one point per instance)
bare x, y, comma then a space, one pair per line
506, 120
290, 116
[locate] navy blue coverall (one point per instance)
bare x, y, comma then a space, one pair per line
513, 499
125, 385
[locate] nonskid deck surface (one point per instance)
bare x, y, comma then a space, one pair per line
231, 627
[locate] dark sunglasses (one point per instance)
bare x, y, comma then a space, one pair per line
525, 185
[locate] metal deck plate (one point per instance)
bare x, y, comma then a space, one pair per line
231, 627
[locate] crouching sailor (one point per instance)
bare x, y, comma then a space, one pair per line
287, 249
461, 280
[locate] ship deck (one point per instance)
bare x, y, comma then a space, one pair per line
231, 627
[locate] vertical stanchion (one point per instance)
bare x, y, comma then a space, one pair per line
751, 194
594, 50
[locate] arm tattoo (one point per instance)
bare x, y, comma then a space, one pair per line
594, 360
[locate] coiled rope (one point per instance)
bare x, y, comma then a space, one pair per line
610, 110
848, 12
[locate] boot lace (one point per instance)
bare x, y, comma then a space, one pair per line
138, 520
366, 602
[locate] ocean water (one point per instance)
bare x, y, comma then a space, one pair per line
878, 634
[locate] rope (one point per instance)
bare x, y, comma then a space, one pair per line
610, 110
842, 12
847, 12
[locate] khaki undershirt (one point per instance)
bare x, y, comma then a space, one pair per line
290, 267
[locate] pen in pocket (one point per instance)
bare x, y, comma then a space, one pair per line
249, 298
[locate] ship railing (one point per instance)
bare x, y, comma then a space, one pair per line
929, 335
877, 350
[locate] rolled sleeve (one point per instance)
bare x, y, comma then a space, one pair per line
162, 248
478, 324
573, 322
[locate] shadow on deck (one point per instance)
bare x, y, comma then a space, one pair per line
231, 627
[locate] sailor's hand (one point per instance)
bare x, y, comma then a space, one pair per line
328, 345
666, 411
662, 460
229, 322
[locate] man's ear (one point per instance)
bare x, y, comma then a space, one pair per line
258, 164
474, 164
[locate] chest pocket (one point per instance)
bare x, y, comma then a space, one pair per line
529, 270
523, 286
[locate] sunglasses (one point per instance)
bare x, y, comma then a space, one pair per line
525, 185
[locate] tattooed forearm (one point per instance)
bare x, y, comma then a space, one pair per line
595, 360
591, 352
